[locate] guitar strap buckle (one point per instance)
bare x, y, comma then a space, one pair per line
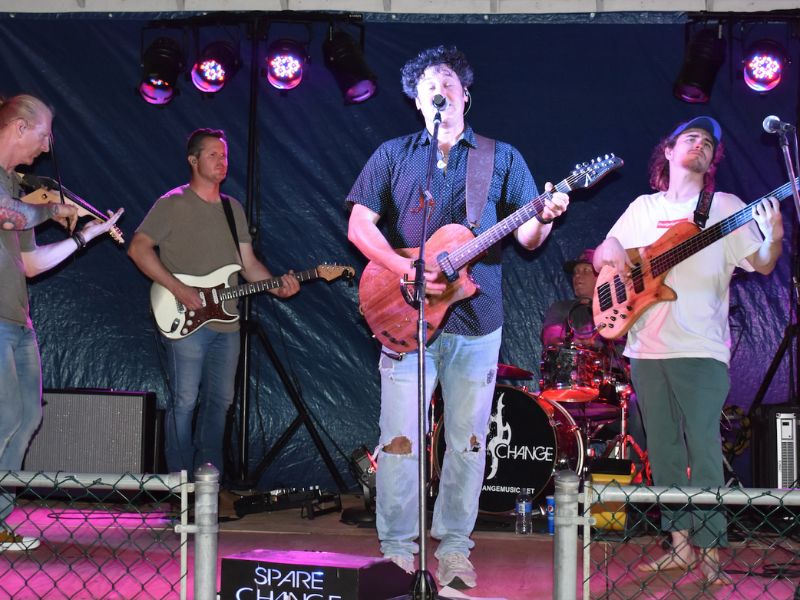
703, 208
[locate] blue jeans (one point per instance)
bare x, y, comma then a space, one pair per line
202, 372
466, 368
20, 399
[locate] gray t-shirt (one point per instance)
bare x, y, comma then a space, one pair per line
193, 236
13, 284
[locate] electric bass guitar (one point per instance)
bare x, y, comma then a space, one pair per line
175, 321
618, 301
45, 190
393, 320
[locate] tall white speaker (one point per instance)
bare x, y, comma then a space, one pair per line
97, 431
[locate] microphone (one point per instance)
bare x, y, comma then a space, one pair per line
440, 102
773, 124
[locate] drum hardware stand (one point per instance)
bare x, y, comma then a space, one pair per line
619, 445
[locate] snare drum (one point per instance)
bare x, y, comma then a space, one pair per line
529, 439
570, 373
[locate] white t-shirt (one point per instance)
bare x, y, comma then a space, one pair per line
696, 324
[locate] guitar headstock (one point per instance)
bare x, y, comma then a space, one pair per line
587, 174
331, 272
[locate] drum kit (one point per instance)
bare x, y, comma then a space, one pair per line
533, 435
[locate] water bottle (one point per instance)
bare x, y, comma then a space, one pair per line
524, 510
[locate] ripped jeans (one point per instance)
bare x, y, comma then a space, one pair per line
466, 368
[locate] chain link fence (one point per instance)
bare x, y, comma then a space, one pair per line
109, 536
626, 555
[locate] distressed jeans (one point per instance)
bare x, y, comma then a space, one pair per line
466, 368
202, 372
20, 399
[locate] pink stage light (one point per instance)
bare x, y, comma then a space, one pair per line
763, 66
285, 64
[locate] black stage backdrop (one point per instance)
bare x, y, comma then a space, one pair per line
562, 91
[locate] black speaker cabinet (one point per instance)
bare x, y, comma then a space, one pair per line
97, 431
775, 446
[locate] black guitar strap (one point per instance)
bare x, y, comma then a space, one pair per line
480, 164
226, 206
703, 207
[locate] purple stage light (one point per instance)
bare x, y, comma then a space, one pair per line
763, 66
285, 64
162, 62
216, 65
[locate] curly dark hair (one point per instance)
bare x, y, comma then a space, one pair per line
659, 166
194, 144
441, 55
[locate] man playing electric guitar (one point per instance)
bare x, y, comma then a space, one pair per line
463, 358
680, 350
189, 227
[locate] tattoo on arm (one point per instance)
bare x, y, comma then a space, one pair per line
19, 215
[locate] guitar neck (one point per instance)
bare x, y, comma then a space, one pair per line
254, 287
467, 253
666, 260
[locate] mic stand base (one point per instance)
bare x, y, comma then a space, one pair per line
422, 588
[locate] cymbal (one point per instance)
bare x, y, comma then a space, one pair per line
512, 372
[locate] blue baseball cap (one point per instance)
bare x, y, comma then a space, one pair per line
708, 124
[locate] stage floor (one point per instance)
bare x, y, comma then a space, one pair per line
78, 556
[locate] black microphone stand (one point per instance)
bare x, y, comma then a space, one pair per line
423, 586
793, 329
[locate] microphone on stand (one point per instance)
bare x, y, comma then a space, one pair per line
439, 103
773, 124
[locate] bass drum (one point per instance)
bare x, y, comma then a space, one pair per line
529, 439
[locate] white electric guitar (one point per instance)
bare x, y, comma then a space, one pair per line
175, 321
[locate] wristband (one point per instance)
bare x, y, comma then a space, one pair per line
543, 221
79, 240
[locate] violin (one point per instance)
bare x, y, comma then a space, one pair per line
44, 190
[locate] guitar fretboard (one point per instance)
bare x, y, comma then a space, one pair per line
668, 259
254, 287
466, 253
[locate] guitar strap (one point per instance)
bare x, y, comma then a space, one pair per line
226, 206
480, 164
703, 207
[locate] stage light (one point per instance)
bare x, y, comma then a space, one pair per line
763, 65
215, 66
285, 60
703, 57
346, 62
162, 62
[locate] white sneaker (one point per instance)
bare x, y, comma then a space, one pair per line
11, 542
455, 570
404, 562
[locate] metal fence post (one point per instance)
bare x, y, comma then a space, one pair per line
206, 520
565, 542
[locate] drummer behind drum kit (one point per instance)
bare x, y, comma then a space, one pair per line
531, 436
